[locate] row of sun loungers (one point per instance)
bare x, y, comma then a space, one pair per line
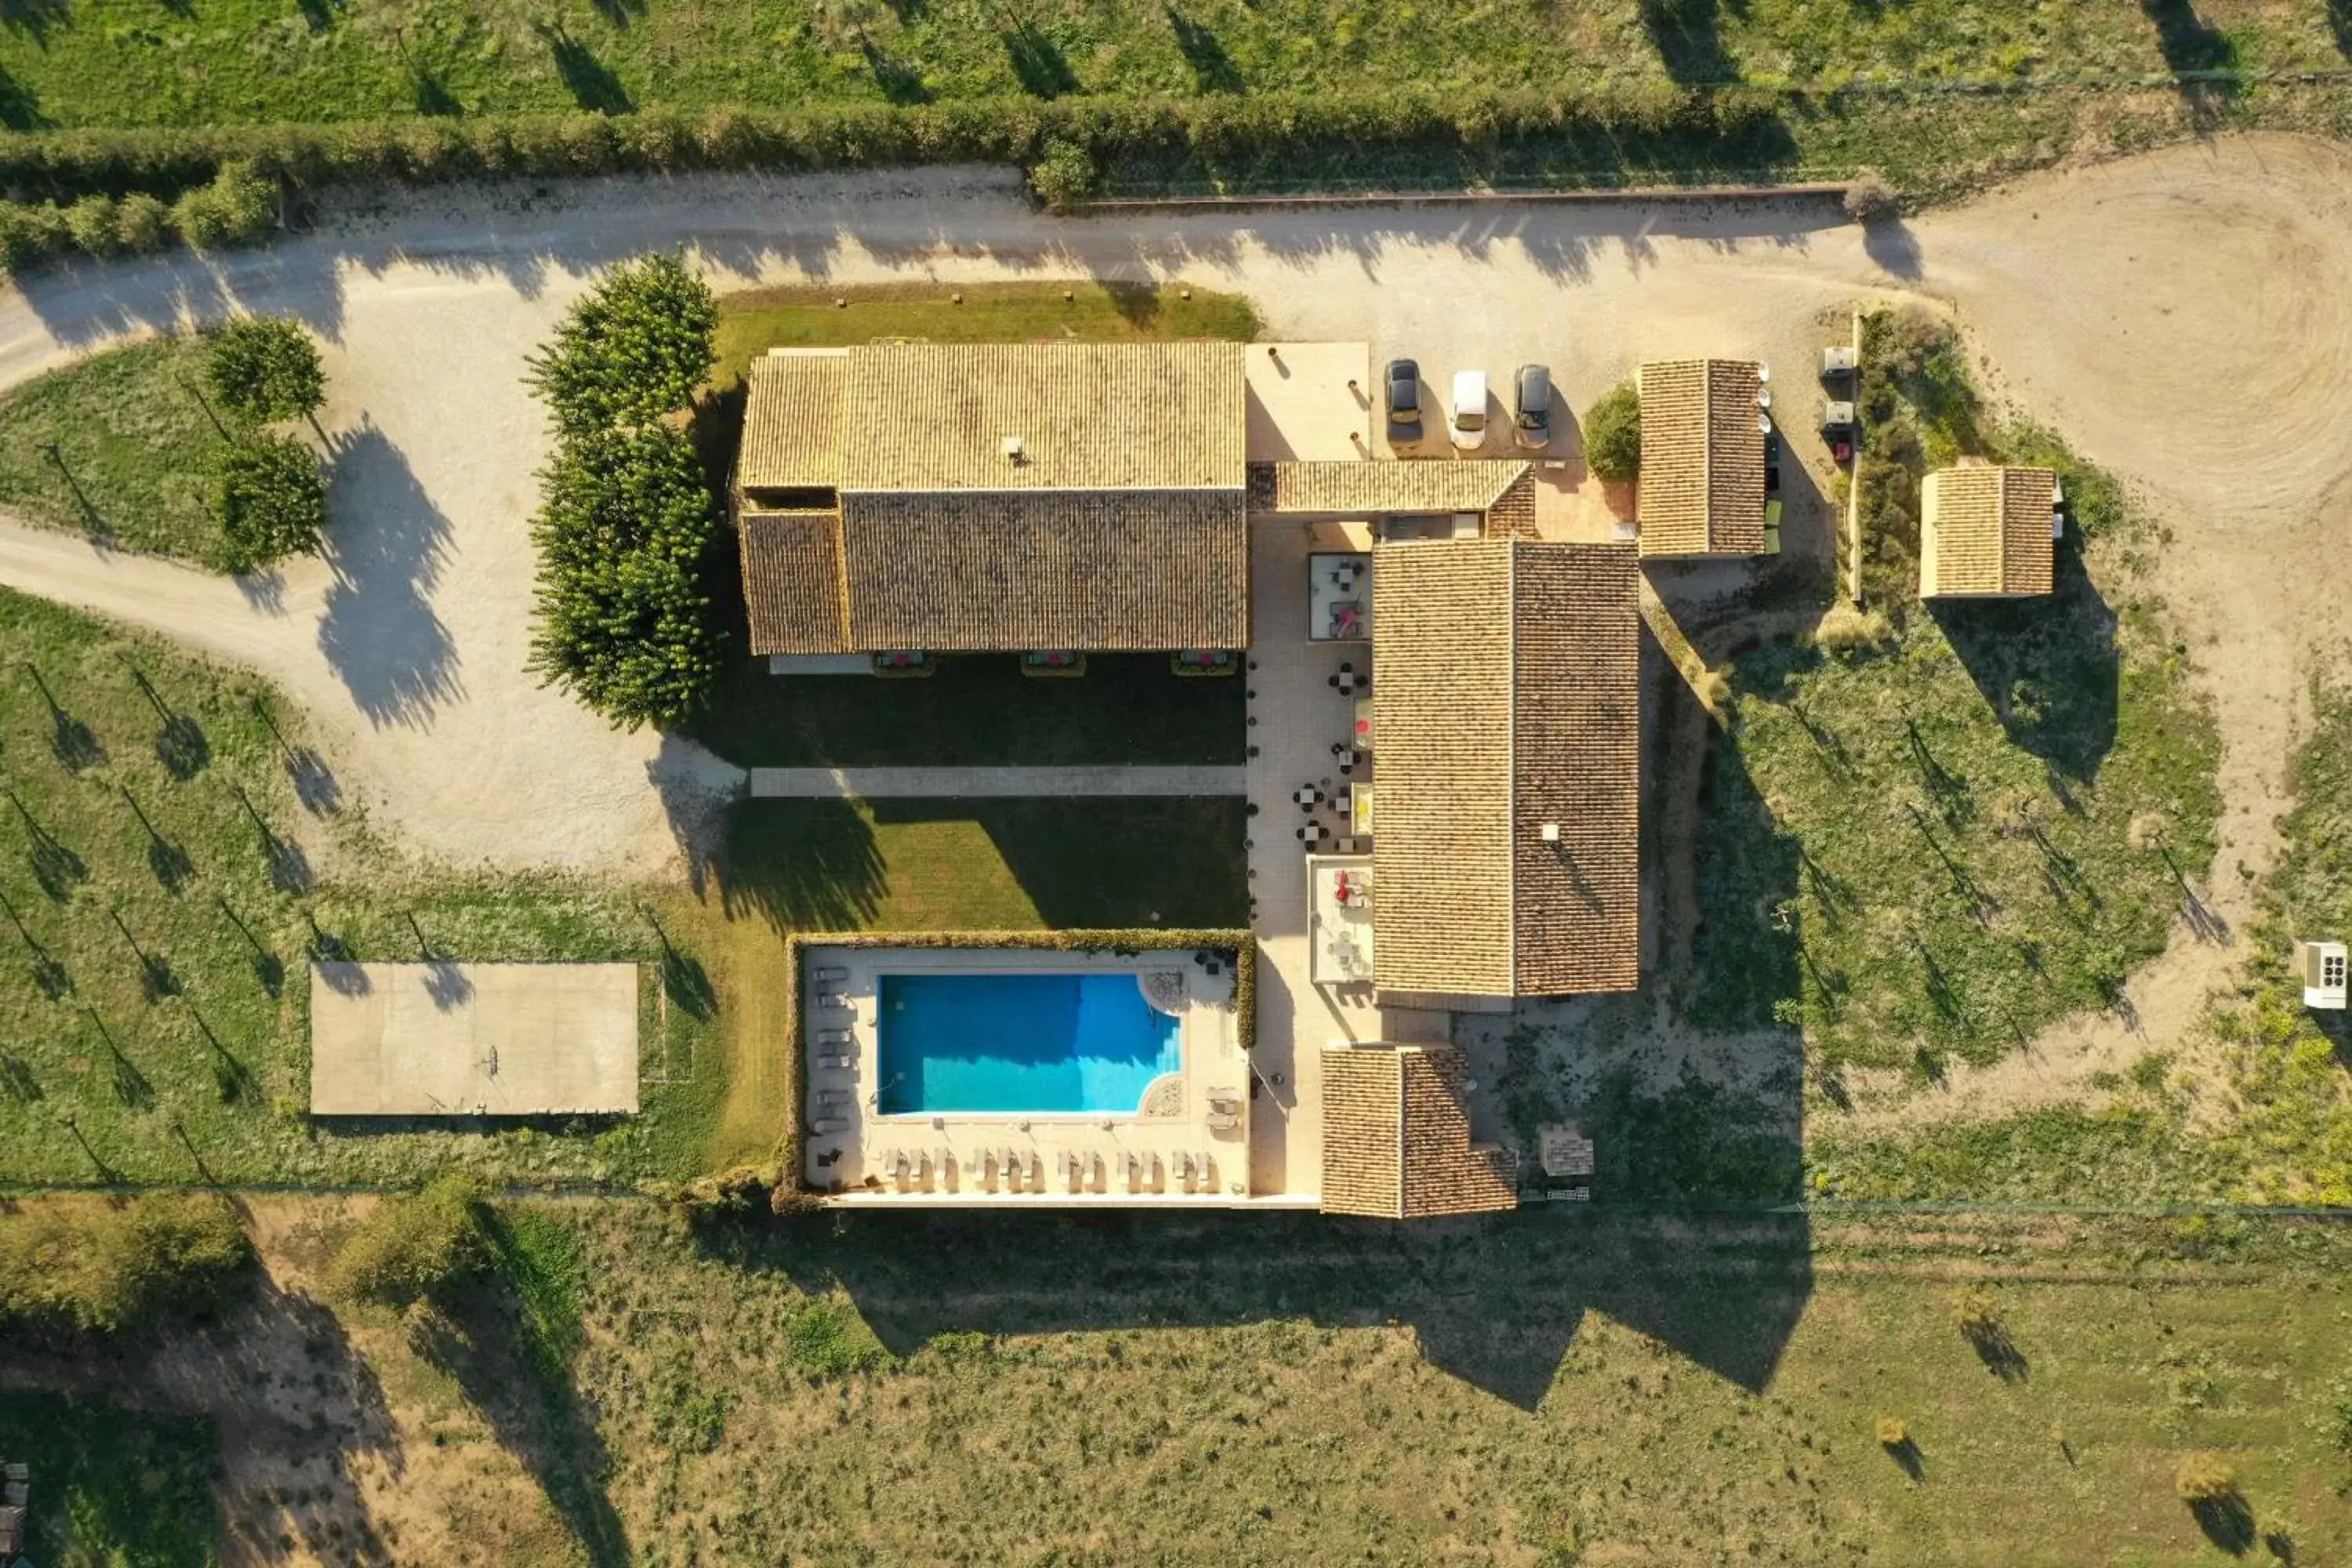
1022, 1171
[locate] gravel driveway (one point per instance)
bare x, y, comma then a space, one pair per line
2184, 316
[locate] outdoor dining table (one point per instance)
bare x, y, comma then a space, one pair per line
1312, 833
1307, 797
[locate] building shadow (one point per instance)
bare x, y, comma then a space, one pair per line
1495, 1302
387, 545
2049, 667
1114, 863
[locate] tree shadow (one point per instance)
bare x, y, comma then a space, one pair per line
1038, 62
267, 967
35, 18
1213, 69
379, 633
56, 867
804, 865
2228, 1521
1906, 1456
2189, 42
289, 867
314, 782
2049, 667
485, 1341
1891, 243
181, 745
1997, 1350
165, 857
590, 81
20, 107
1689, 42
2339, 23
71, 742
1495, 1302
319, 15
685, 981
900, 81
235, 1081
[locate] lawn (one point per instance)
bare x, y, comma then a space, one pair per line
1928, 846
164, 884
1546, 1388
119, 446
1009, 865
113, 1488
126, 62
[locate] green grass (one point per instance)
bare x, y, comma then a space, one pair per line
1011, 865
128, 62
110, 1488
214, 1042
804, 316
1277, 1390
1930, 848
134, 448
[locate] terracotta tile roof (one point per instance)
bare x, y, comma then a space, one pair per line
934, 417
792, 581
1374, 487
1508, 697
1702, 485
1098, 569
1396, 1137
792, 421
1986, 530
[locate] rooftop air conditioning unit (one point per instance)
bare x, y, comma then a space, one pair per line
2322, 966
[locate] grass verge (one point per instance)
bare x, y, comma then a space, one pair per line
121, 446
114, 1487
1930, 843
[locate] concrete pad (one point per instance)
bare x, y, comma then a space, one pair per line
1309, 401
473, 1039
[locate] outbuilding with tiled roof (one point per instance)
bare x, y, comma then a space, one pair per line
1985, 531
1508, 717
1396, 1140
1702, 477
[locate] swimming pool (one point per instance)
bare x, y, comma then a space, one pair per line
1016, 1042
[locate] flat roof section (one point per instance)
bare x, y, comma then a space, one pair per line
473, 1039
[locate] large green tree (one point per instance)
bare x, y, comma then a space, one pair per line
271, 500
632, 352
624, 622
1612, 433
265, 367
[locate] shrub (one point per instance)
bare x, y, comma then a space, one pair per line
30, 234
1613, 435
1869, 199
265, 367
94, 225
624, 623
142, 222
240, 207
1064, 176
95, 1268
271, 500
631, 351
1844, 629
2205, 1479
413, 1247
1893, 1434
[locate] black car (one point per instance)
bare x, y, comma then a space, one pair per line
1403, 383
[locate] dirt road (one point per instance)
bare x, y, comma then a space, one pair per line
2180, 316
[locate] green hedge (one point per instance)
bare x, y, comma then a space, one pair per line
43, 174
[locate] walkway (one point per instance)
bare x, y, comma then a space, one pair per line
992, 783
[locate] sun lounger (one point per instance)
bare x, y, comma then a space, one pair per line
1222, 1121
831, 976
1204, 1174
835, 1038
835, 1062
830, 1124
833, 1002
833, 1096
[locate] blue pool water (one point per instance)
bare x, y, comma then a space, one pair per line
1019, 1042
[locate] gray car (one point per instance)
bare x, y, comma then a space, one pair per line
1531, 406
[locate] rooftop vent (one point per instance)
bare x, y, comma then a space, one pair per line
1013, 452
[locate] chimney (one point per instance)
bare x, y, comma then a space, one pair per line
1549, 832
1013, 451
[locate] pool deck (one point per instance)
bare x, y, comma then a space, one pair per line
1186, 1145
